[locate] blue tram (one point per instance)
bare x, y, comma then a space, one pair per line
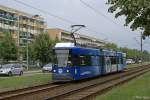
76, 63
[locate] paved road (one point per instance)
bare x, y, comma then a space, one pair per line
26, 73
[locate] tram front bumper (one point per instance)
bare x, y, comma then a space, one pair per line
61, 77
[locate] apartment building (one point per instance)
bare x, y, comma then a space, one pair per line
65, 36
23, 26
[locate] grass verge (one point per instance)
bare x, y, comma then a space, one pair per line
136, 65
16, 82
137, 89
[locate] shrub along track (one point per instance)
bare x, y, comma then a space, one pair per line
85, 89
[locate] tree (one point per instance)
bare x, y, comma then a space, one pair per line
131, 53
146, 55
111, 46
41, 49
8, 48
137, 13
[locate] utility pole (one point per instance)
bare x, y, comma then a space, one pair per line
141, 47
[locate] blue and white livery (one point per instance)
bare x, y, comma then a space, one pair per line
76, 63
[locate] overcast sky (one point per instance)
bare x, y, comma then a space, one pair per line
103, 24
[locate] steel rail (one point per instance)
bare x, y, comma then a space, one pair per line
55, 89
77, 90
25, 91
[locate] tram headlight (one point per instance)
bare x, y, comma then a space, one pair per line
67, 71
75, 71
54, 71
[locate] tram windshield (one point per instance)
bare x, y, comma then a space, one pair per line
62, 57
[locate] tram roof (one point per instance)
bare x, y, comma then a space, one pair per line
86, 50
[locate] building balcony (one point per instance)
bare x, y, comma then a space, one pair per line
8, 17
24, 22
25, 38
67, 38
42, 26
5, 26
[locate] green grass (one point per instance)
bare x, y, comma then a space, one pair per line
137, 89
32, 68
133, 65
16, 82
136, 65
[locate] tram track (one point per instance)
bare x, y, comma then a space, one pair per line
91, 90
57, 91
12, 94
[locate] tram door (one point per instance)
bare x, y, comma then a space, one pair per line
107, 66
113, 63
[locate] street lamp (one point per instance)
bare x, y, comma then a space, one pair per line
74, 29
141, 45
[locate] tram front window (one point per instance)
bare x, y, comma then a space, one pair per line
62, 57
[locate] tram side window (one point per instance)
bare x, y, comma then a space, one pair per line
113, 60
69, 62
84, 61
101, 60
120, 60
81, 60
75, 60
107, 60
95, 60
